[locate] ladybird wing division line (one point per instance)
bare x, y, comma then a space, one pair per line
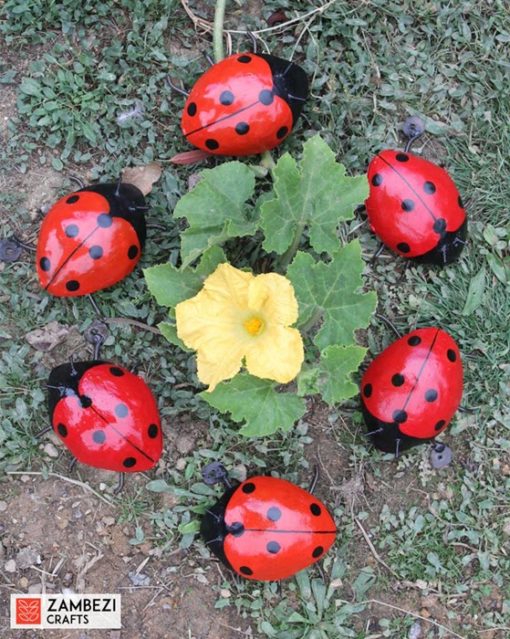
393, 168
422, 368
301, 532
69, 257
222, 119
121, 434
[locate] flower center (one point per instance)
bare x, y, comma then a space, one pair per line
254, 326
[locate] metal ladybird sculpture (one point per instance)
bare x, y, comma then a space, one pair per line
267, 528
105, 415
246, 104
411, 390
414, 206
91, 239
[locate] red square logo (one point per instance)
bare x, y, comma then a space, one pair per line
28, 611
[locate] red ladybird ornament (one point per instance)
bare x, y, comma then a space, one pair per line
105, 415
245, 104
414, 206
268, 529
91, 239
411, 390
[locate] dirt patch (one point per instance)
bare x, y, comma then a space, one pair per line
57, 537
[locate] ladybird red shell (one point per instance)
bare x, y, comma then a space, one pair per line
91, 239
412, 389
268, 529
246, 104
105, 415
415, 208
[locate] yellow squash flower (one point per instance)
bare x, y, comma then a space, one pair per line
241, 318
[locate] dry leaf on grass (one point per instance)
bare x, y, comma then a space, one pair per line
143, 177
190, 157
45, 339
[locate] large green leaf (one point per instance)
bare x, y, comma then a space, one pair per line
314, 192
332, 377
171, 285
215, 209
255, 402
331, 290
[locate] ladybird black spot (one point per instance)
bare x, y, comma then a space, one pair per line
400, 416
401, 157
266, 97
414, 340
407, 205
236, 529
439, 424
242, 128
72, 230
192, 109
282, 132
244, 59
98, 436
116, 371
44, 263
104, 220
431, 395
377, 179
317, 552
121, 410
403, 247
367, 390
95, 252
153, 431
461, 203
398, 379
211, 144
249, 487
129, 462
451, 355
72, 285
440, 225
315, 509
244, 569
429, 187
274, 513
62, 430
273, 547
226, 98
85, 401
72, 199
132, 252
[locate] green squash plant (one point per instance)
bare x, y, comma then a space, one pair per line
296, 227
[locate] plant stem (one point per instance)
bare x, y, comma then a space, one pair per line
312, 321
289, 254
219, 16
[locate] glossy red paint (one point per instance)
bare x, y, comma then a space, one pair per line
413, 388
91, 239
268, 529
105, 415
245, 104
415, 208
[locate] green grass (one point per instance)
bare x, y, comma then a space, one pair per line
372, 64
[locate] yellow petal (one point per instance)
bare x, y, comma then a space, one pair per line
221, 362
273, 296
229, 284
277, 354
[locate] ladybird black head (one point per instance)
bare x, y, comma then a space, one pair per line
448, 248
290, 83
213, 528
385, 434
126, 201
63, 382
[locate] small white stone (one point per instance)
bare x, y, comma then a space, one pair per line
35, 589
10, 566
225, 593
50, 450
3, 506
